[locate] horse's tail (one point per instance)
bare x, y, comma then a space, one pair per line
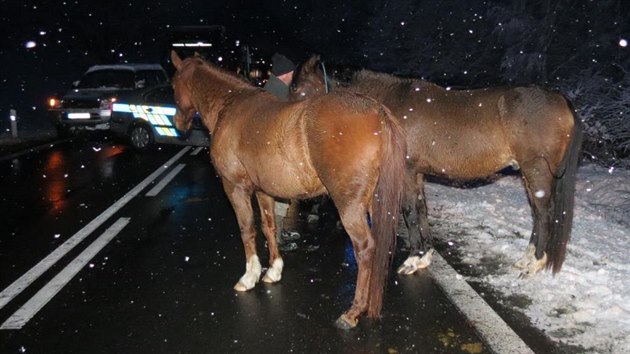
385, 207
562, 199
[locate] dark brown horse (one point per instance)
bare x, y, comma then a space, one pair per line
346, 145
468, 134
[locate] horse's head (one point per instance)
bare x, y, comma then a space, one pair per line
182, 91
310, 80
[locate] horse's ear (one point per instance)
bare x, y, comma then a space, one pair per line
312, 63
177, 62
197, 54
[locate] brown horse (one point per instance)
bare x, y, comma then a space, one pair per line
346, 145
468, 134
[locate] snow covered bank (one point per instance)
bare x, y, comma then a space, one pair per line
588, 302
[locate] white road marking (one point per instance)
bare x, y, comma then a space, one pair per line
164, 181
30, 276
492, 329
196, 151
43, 296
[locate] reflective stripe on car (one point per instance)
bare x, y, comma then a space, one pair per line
158, 116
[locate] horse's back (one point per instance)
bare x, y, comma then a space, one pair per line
473, 133
448, 131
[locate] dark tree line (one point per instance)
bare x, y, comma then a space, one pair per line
572, 46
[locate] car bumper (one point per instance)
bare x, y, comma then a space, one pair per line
85, 118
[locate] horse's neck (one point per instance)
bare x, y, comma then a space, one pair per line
210, 92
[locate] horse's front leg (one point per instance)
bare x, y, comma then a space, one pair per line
240, 198
267, 213
415, 214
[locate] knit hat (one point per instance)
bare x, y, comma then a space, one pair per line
281, 65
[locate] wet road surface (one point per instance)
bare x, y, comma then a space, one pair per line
164, 282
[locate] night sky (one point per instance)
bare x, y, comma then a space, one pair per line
48, 44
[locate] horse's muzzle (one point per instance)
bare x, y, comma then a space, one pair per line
182, 123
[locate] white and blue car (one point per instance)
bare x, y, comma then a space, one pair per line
145, 118
87, 106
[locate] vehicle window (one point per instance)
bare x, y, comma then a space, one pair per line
150, 77
107, 78
163, 95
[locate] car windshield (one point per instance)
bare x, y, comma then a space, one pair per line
148, 78
108, 78
163, 95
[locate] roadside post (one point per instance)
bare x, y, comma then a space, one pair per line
13, 119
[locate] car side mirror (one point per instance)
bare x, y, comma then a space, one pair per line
75, 83
140, 84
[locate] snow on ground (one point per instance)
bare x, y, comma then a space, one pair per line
588, 302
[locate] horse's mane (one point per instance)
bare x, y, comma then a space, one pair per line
386, 79
370, 82
229, 78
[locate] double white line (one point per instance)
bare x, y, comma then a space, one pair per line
28, 310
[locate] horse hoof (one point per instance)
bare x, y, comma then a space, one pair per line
412, 264
533, 267
527, 273
272, 277
527, 258
345, 323
407, 269
274, 273
520, 264
240, 287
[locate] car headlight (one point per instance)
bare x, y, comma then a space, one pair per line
54, 102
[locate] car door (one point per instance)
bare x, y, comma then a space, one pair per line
160, 108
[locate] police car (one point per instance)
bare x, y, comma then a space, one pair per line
88, 104
145, 118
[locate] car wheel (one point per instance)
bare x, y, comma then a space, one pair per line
141, 137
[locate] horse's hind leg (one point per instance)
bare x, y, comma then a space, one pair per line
415, 214
268, 217
354, 220
241, 202
538, 182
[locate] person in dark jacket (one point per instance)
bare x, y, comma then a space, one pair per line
281, 75
278, 84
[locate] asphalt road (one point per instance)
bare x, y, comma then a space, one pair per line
106, 250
